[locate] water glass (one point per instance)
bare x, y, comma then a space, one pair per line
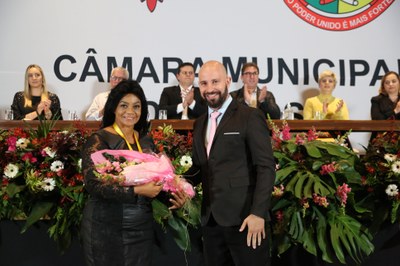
318, 115
162, 114
8, 114
72, 115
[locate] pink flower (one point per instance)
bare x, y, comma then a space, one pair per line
12, 143
117, 166
321, 201
286, 132
342, 192
312, 135
327, 168
300, 139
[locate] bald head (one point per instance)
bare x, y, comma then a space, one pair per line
214, 83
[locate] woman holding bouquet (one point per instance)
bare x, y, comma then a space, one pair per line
117, 226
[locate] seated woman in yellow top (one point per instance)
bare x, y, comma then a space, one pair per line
325, 106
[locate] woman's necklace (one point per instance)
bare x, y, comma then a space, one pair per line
119, 131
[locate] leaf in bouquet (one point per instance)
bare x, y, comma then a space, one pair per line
312, 149
313, 184
348, 233
282, 173
296, 229
282, 203
308, 241
179, 232
334, 149
39, 210
292, 147
316, 165
394, 212
190, 212
110, 157
13, 189
322, 237
160, 212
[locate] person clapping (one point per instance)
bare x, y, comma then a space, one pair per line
35, 101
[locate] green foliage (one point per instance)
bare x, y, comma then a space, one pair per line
310, 205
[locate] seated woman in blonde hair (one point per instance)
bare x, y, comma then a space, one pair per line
35, 101
325, 105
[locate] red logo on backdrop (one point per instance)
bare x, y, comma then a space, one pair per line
151, 4
338, 15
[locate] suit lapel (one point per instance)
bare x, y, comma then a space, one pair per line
225, 119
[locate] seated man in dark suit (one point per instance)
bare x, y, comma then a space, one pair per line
251, 95
183, 101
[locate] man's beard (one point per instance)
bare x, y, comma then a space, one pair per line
216, 103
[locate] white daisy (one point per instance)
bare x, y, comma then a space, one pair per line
22, 143
56, 166
396, 167
186, 161
392, 190
390, 157
11, 170
48, 184
49, 152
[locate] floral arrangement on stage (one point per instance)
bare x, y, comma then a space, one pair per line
41, 178
380, 183
326, 198
313, 200
178, 147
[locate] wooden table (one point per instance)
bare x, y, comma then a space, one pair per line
305, 125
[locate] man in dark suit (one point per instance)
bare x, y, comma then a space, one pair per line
251, 95
184, 100
238, 175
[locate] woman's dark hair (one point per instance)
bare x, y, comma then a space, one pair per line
123, 88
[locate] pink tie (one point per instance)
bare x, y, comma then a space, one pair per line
214, 116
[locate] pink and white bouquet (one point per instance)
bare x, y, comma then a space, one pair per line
129, 168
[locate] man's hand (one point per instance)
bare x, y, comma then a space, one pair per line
255, 231
263, 94
178, 200
189, 97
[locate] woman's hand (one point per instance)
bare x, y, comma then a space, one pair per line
397, 108
339, 106
325, 107
149, 190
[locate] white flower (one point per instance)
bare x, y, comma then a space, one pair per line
390, 157
11, 170
48, 184
396, 167
49, 152
392, 190
22, 143
186, 161
56, 166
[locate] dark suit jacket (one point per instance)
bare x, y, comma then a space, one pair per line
269, 106
171, 97
239, 175
382, 108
